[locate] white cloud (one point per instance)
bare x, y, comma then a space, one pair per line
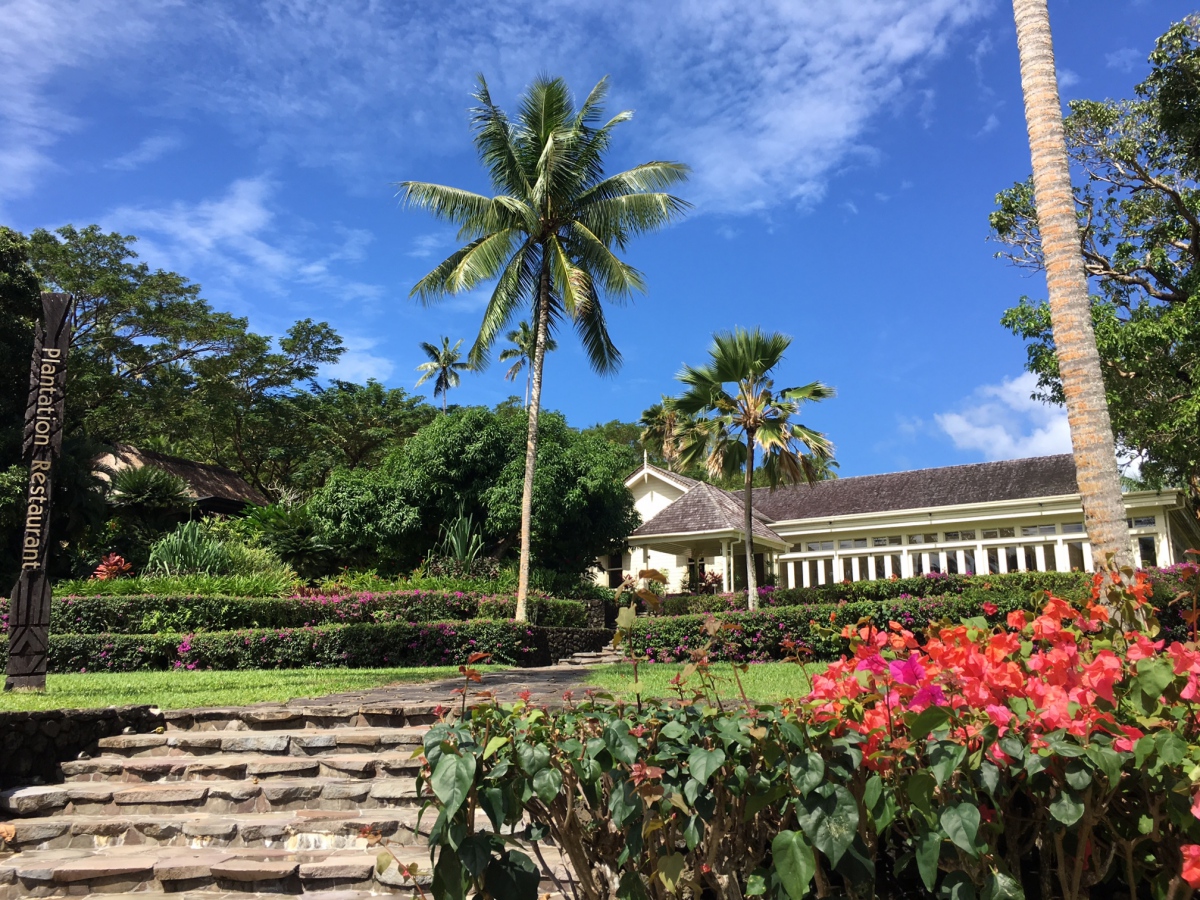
1125, 59
849, 206
235, 242
358, 363
152, 148
41, 40
1067, 78
990, 124
1003, 421
765, 100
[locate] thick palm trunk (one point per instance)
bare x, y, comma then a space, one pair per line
1066, 282
542, 325
751, 581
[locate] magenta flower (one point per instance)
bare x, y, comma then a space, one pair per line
907, 672
930, 695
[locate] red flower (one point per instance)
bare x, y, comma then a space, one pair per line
525, 695
1191, 864
990, 608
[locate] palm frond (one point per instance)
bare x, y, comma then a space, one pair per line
517, 282
590, 324
618, 279
452, 204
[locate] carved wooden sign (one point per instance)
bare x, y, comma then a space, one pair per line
29, 609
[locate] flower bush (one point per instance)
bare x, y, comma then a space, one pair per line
148, 614
1044, 751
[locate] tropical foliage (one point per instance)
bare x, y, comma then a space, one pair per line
524, 348
738, 410
444, 367
549, 237
1050, 755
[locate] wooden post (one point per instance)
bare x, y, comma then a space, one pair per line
29, 609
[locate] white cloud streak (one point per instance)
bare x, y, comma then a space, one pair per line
1003, 421
764, 100
150, 150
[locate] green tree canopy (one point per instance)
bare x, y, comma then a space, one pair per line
1139, 214
389, 516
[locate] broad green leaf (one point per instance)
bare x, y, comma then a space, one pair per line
491, 801
621, 744
956, 886
807, 771
449, 882
989, 777
794, 863
672, 731
631, 887
546, 784
929, 719
703, 763
873, 791
1107, 761
1066, 808
944, 758
533, 757
474, 853
493, 745
693, 830
927, 848
830, 822
1069, 749
756, 885
382, 861
1154, 675
452, 780
999, 886
1172, 750
511, 877
961, 824
920, 791
1078, 775
670, 869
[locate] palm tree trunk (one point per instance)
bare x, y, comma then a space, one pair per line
1066, 282
542, 324
528, 375
443, 403
751, 582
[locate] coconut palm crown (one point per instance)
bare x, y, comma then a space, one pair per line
445, 362
738, 410
523, 349
550, 235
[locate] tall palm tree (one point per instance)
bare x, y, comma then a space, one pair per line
1066, 282
445, 362
524, 346
750, 413
665, 430
549, 237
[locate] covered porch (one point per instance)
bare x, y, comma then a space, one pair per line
695, 553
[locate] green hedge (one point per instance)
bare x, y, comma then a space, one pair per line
1068, 585
358, 645
672, 638
186, 613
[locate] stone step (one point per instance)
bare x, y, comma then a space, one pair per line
238, 767
298, 714
221, 796
303, 829
284, 742
61, 873
208, 871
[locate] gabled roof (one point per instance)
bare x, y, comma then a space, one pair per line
1013, 479
206, 482
704, 508
681, 481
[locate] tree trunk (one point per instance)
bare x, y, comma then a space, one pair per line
751, 581
542, 324
1066, 282
443, 403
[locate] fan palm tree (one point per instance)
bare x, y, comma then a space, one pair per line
1066, 282
524, 346
664, 430
445, 362
738, 409
550, 235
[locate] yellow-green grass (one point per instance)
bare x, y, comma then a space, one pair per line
765, 682
182, 689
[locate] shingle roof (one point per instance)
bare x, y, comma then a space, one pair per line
1014, 479
703, 508
682, 480
204, 480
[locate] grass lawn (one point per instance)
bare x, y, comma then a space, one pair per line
181, 689
766, 682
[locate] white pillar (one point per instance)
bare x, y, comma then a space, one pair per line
1062, 558
1039, 557
1088, 562
790, 568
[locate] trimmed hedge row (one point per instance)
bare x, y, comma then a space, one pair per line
816, 626
152, 614
1068, 585
357, 645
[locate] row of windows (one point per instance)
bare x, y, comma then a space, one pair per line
966, 534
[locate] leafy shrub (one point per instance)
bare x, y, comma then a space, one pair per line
267, 584
545, 611
188, 551
1049, 755
145, 503
294, 535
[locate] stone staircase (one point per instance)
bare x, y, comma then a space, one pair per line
594, 658
230, 802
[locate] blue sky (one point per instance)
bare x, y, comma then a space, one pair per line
846, 153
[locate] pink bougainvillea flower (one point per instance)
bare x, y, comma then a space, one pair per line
908, 671
1191, 864
930, 695
873, 663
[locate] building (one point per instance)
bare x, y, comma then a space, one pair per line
214, 489
1012, 516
